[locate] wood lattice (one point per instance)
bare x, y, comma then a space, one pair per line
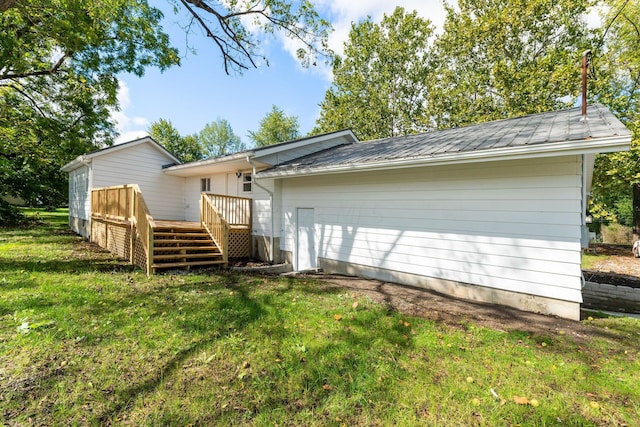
139, 255
119, 240
239, 243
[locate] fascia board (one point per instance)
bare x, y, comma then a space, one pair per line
304, 142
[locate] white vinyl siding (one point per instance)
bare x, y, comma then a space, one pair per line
512, 225
227, 184
79, 197
142, 164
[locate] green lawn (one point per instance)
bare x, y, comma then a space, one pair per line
87, 340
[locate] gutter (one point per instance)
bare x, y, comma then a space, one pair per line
255, 181
619, 143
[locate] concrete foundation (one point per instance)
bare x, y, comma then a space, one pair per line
260, 248
526, 302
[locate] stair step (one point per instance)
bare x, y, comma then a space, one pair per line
182, 248
176, 234
188, 256
186, 264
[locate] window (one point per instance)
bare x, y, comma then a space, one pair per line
246, 182
205, 184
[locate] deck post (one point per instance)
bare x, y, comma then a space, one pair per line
150, 252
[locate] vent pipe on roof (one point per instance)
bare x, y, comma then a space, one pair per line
586, 58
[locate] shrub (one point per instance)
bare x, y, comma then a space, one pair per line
617, 234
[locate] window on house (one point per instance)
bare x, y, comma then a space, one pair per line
246, 182
205, 184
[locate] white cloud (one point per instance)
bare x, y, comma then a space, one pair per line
342, 13
128, 127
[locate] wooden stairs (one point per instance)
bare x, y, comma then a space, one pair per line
178, 244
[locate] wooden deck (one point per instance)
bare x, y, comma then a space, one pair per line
178, 225
122, 223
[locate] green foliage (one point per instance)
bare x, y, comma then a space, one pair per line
624, 210
186, 148
11, 216
380, 87
506, 58
617, 64
275, 127
217, 139
58, 82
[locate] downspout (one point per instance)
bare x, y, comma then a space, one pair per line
255, 181
584, 231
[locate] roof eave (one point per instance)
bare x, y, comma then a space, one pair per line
181, 169
588, 146
75, 164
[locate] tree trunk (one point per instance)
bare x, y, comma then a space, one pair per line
636, 212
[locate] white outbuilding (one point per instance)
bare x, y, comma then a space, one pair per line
492, 212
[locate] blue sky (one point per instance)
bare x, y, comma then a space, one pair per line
199, 91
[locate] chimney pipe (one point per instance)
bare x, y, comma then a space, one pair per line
586, 56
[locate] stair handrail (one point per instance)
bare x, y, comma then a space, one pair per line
215, 225
143, 222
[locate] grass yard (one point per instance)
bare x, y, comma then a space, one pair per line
87, 340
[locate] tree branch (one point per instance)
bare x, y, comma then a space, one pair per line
48, 72
222, 44
26, 95
7, 4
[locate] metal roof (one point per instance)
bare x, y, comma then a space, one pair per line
546, 131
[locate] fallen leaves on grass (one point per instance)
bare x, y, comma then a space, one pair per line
337, 317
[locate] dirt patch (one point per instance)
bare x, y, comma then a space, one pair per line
457, 312
618, 266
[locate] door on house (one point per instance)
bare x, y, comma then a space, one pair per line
232, 184
306, 249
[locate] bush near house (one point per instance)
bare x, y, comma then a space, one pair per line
87, 340
617, 234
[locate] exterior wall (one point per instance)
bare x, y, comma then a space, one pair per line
508, 225
142, 165
230, 185
80, 200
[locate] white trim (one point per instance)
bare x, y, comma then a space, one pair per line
85, 159
509, 153
266, 151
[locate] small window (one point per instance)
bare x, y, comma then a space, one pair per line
205, 184
246, 183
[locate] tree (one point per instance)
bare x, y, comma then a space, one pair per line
617, 65
275, 127
186, 148
506, 58
58, 66
59, 62
217, 139
236, 25
380, 87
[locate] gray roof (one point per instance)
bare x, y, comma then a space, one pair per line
536, 130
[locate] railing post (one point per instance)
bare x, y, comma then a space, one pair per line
150, 253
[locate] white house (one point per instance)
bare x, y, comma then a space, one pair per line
139, 161
491, 212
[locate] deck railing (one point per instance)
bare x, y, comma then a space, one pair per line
112, 202
235, 210
143, 224
124, 205
217, 227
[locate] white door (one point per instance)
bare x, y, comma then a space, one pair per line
306, 249
232, 184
